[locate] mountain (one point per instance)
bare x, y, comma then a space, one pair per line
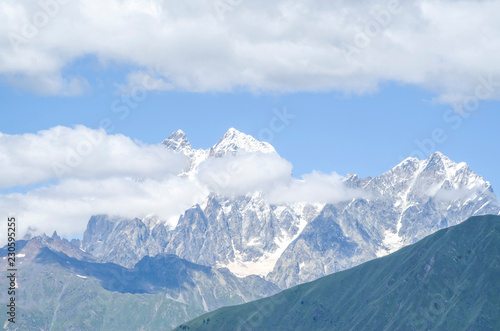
123, 241
232, 142
157, 294
235, 141
447, 281
178, 141
245, 234
293, 243
402, 206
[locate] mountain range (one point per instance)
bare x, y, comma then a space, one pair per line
292, 243
232, 249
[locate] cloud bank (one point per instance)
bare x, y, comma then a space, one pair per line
81, 152
57, 178
445, 46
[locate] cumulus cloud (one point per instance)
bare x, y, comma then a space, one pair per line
315, 187
445, 46
272, 175
67, 206
241, 174
57, 178
81, 152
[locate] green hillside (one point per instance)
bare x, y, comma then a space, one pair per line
448, 281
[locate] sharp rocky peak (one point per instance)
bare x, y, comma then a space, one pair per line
233, 141
353, 180
435, 161
177, 141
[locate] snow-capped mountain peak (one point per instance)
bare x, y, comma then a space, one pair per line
438, 168
178, 142
438, 161
234, 141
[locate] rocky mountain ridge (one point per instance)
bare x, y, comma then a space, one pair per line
295, 243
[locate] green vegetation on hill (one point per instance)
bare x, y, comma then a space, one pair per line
450, 280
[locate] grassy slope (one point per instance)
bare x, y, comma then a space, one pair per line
449, 280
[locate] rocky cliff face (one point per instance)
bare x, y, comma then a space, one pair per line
245, 234
123, 241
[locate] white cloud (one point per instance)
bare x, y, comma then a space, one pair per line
283, 45
270, 174
314, 187
81, 152
244, 173
67, 206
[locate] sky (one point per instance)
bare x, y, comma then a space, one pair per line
334, 86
